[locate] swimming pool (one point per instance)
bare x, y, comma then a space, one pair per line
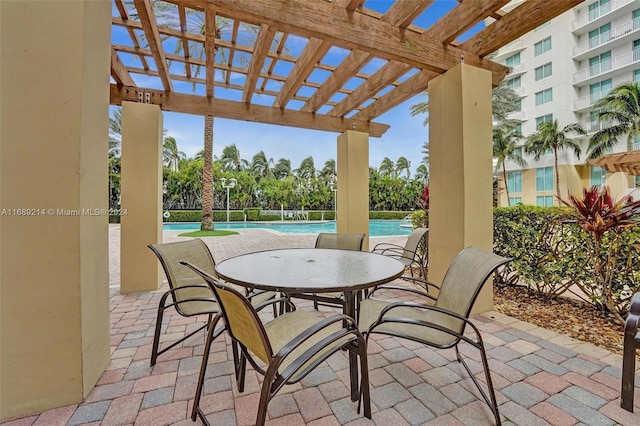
377, 228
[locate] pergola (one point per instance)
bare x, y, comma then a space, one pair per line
627, 162
56, 63
346, 98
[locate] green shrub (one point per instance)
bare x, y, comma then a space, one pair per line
252, 213
388, 215
268, 217
419, 219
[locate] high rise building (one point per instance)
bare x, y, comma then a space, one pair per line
560, 70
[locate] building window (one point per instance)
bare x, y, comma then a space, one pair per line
514, 83
542, 46
514, 181
544, 179
515, 200
599, 8
544, 97
513, 60
600, 63
636, 75
599, 90
518, 128
544, 201
518, 104
542, 119
598, 175
517, 152
543, 71
635, 15
636, 51
539, 27
599, 36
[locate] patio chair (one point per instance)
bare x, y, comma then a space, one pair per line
414, 252
441, 321
190, 295
325, 240
283, 350
631, 344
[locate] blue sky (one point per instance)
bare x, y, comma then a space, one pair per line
405, 137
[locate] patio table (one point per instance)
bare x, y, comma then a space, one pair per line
313, 271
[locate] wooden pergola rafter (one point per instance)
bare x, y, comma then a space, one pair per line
389, 59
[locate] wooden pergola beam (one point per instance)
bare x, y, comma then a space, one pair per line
119, 71
462, 17
263, 42
398, 13
203, 106
406, 90
312, 53
524, 18
148, 20
377, 82
356, 31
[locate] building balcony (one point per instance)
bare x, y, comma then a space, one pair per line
604, 39
509, 49
517, 115
587, 102
613, 64
517, 70
595, 126
593, 15
519, 91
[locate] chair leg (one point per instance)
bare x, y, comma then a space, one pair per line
156, 336
491, 400
211, 336
628, 376
364, 380
264, 400
315, 305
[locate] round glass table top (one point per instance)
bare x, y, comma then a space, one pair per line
310, 270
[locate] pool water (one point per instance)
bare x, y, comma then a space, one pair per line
377, 228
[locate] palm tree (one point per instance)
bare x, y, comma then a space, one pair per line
115, 132
403, 164
422, 173
503, 102
260, 165
621, 108
231, 159
425, 154
282, 169
307, 169
328, 171
549, 138
387, 167
170, 153
207, 176
505, 142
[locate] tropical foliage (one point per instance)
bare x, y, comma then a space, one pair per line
505, 144
620, 112
549, 138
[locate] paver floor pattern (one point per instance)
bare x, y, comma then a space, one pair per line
540, 377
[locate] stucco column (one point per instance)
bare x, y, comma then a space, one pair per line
141, 189
460, 161
54, 274
353, 184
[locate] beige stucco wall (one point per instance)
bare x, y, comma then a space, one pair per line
54, 301
460, 159
141, 189
353, 184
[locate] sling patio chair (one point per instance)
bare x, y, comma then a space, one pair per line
441, 320
325, 240
190, 295
630, 345
284, 350
413, 253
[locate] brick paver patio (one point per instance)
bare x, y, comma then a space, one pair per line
541, 377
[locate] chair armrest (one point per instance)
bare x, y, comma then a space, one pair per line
400, 288
273, 300
387, 246
423, 283
632, 322
381, 319
173, 291
303, 337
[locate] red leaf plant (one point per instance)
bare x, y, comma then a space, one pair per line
599, 214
